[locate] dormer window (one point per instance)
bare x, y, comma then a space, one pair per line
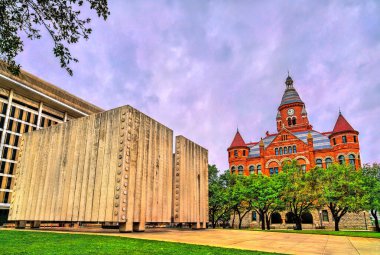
289, 122
243, 153
344, 139
235, 153
334, 141
355, 139
294, 120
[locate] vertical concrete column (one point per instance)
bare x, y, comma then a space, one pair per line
39, 115
10, 98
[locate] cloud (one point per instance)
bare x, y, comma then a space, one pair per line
205, 67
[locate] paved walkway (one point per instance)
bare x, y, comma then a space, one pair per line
254, 240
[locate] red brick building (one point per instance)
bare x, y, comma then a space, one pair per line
295, 139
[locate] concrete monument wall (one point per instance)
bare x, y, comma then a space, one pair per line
116, 166
190, 190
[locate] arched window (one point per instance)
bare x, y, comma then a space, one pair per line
240, 169
276, 218
276, 151
290, 218
294, 120
290, 149
251, 169
318, 163
307, 218
273, 170
341, 159
233, 169
289, 122
285, 150
328, 162
351, 158
294, 149
258, 169
280, 151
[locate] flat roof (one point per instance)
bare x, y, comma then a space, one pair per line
32, 87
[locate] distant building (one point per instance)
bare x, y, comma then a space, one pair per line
28, 103
297, 140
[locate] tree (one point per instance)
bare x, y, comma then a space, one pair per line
239, 196
264, 195
61, 18
219, 206
371, 176
301, 191
342, 191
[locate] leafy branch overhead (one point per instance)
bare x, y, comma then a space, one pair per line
60, 18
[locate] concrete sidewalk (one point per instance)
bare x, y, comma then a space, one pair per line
250, 240
269, 241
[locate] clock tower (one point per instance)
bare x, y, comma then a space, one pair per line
292, 113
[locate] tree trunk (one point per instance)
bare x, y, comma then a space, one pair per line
374, 214
233, 219
267, 221
240, 222
337, 219
298, 221
262, 218
213, 221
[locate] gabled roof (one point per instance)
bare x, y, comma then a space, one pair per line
342, 125
321, 141
238, 140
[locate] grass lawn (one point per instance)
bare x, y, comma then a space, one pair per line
33, 242
330, 232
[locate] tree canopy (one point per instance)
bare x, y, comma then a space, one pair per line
62, 20
371, 186
340, 188
301, 190
342, 191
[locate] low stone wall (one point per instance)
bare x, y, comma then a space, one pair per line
359, 220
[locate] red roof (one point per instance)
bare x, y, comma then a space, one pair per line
342, 125
238, 140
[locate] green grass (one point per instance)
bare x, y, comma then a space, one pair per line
330, 232
34, 242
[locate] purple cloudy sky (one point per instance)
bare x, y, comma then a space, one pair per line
204, 67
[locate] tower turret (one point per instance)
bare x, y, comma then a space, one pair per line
344, 138
238, 148
292, 111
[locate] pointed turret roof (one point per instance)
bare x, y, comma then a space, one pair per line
342, 125
238, 140
290, 94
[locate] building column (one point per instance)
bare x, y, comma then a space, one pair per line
39, 115
10, 98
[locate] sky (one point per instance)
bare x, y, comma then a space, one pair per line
204, 68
